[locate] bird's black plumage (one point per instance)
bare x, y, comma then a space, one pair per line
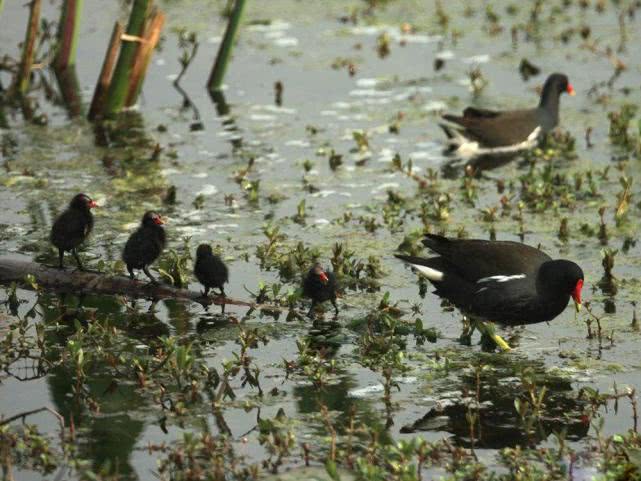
145, 245
320, 286
492, 129
506, 282
72, 227
210, 270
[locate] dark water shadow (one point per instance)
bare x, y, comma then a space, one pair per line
498, 424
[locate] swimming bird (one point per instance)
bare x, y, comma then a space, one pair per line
72, 227
486, 132
506, 282
145, 245
320, 285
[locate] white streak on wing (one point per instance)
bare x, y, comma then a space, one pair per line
501, 278
431, 274
466, 148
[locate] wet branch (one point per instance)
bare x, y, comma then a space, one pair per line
12, 270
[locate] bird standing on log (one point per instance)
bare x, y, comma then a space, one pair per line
145, 245
72, 227
210, 270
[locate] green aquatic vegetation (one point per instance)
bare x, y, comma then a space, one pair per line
620, 126
355, 273
278, 439
175, 265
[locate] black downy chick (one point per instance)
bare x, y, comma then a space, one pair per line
145, 245
320, 286
210, 270
72, 227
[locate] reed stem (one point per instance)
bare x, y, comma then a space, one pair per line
224, 52
143, 56
24, 72
119, 86
102, 86
68, 34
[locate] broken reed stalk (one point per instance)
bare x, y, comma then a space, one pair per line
120, 81
102, 86
143, 55
23, 77
68, 34
217, 75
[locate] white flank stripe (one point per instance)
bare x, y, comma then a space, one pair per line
467, 148
431, 274
501, 278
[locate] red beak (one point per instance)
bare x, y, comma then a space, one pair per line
158, 220
570, 90
576, 294
92, 204
323, 278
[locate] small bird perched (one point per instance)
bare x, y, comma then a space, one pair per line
320, 286
506, 282
481, 131
145, 245
210, 270
72, 227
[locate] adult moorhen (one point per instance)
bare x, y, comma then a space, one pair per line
502, 281
145, 245
72, 227
320, 286
481, 131
210, 270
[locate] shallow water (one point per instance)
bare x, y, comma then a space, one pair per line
297, 46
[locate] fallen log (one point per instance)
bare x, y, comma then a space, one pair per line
85, 282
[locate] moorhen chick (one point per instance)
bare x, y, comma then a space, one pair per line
210, 270
320, 286
502, 281
72, 227
145, 245
481, 131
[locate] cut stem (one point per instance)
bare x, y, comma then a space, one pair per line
102, 86
68, 34
224, 52
120, 81
143, 56
24, 72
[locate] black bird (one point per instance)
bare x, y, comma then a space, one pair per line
506, 282
320, 286
210, 270
481, 131
72, 227
145, 245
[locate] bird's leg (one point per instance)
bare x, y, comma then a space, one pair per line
77, 257
205, 291
487, 329
153, 280
335, 307
311, 309
466, 336
61, 254
131, 273
222, 293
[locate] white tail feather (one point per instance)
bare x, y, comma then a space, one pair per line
431, 274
